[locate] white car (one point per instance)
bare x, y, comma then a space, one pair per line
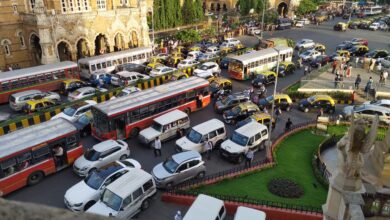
226, 45
254, 31
187, 63
213, 50
300, 24
208, 68
309, 55
127, 78
100, 155
74, 112
194, 55
304, 43
162, 56
127, 91
161, 70
85, 193
84, 92
374, 26
381, 102
233, 41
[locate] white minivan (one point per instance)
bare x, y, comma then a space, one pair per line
250, 136
127, 196
212, 130
206, 208
125, 78
164, 127
245, 213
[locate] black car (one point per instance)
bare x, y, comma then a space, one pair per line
377, 54
363, 25
358, 50
230, 101
282, 101
353, 25
240, 112
131, 67
264, 79
83, 124
322, 59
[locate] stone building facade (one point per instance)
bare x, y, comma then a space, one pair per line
36, 32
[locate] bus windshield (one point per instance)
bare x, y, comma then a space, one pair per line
236, 66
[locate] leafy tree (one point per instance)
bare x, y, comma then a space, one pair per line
188, 36
199, 15
178, 13
306, 6
188, 11
247, 5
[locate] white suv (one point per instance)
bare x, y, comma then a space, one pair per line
304, 43
208, 67
74, 112
100, 155
250, 136
87, 192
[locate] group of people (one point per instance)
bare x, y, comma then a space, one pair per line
10, 68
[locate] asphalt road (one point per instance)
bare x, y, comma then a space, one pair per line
52, 189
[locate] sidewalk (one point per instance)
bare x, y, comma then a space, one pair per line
324, 82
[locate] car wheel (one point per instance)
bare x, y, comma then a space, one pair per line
306, 110
88, 205
240, 159
145, 204
218, 144
35, 178
134, 132
200, 175
123, 157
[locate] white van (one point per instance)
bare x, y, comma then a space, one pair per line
245, 213
250, 136
19, 99
127, 196
212, 130
165, 127
206, 208
233, 41
125, 78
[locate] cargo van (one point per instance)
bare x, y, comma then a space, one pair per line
165, 127
126, 196
245, 213
212, 130
206, 208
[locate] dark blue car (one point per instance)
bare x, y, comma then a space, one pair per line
98, 78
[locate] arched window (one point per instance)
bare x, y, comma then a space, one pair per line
21, 39
6, 44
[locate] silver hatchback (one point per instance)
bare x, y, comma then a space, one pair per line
179, 168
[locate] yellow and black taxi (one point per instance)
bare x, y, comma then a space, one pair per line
173, 61
239, 46
240, 112
341, 54
263, 78
319, 47
316, 102
178, 75
340, 26
285, 68
153, 64
281, 100
375, 54
262, 118
358, 50
71, 85
220, 83
37, 105
195, 48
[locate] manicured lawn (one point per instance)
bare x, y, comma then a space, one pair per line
294, 156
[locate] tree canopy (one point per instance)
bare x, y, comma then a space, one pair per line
306, 6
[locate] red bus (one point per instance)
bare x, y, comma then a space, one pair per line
125, 116
45, 78
27, 155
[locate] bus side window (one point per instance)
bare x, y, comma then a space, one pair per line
190, 95
93, 67
8, 167
114, 62
129, 59
139, 56
143, 56
109, 63
120, 61
71, 142
98, 66
125, 60
134, 57
41, 154
104, 65
24, 160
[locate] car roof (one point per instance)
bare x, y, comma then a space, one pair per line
267, 73
36, 101
71, 80
222, 80
185, 156
376, 107
27, 92
170, 117
287, 62
251, 129
105, 145
109, 169
260, 115
249, 213
248, 105
279, 96
82, 104
205, 206
128, 182
209, 63
84, 89
384, 101
208, 126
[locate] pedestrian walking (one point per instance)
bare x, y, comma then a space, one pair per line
353, 96
336, 81
368, 87
179, 133
208, 146
349, 71
157, 147
356, 61
251, 91
306, 70
334, 66
309, 69
341, 80
199, 101
178, 216
357, 82
249, 155
320, 112
379, 67
278, 113
288, 125
385, 75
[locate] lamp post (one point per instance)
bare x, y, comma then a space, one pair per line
152, 10
269, 145
262, 19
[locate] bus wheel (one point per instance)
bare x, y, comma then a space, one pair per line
187, 111
35, 178
134, 132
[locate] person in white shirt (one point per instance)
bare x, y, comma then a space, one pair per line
178, 216
385, 75
157, 147
208, 146
249, 155
58, 155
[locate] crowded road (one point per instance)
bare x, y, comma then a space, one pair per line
52, 189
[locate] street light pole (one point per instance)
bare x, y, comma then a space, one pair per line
262, 19
153, 28
269, 145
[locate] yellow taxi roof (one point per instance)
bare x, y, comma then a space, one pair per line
247, 105
286, 63
258, 116
281, 96
35, 101
267, 73
324, 97
71, 80
222, 80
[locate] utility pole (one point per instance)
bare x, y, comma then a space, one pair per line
262, 19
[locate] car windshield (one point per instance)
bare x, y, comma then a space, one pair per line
157, 126
84, 120
94, 180
194, 136
226, 100
69, 111
111, 200
204, 67
375, 102
307, 53
260, 76
170, 165
92, 155
214, 85
236, 110
311, 99
239, 139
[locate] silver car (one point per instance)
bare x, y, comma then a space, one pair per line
18, 100
368, 112
179, 168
